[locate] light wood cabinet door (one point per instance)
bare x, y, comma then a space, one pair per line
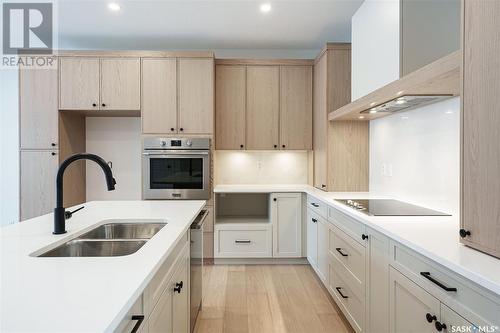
320, 124
296, 107
79, 83
409, 306
120, 84
180, 301
38, 182
286, 215
196, 96
159, 96
312, 238
38, 108
230, 99
263, 107
481, 120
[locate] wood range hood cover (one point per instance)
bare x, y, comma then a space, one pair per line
432, 83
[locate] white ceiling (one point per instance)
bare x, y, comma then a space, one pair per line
204, 24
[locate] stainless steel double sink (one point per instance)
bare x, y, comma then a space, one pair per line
107, 240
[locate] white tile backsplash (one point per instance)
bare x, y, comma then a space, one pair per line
256, 167
415, 155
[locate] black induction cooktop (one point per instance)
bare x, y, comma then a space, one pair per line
388, 207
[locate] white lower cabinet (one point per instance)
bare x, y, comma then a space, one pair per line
411, 308
286, 218
312, 238
164, 305
322, 249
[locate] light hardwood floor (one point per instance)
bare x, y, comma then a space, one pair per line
266, 299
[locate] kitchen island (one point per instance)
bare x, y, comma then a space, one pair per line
83, 294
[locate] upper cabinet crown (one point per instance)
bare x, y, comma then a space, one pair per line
263, 106
177, 95
91, 83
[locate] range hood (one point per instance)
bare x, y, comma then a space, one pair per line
405, 103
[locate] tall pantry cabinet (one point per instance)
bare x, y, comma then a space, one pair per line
480, 215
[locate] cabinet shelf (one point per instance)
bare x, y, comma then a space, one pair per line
238, 220
442, 77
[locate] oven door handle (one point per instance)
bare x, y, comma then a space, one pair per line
176, 153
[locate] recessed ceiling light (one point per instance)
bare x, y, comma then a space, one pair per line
401, 100
373, 110
265, 7
361, 117
114, 6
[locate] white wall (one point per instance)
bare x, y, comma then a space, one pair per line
375, 46
422, 147
253, 167
9, 147
117, 140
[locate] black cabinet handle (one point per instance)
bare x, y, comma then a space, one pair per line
140, 319
53, 154
172, 129
340, 293
440, 326
323, 185
241, 146
428, 276
363, 236
242, 241
103, 104
430, 318
283, 146
314, 220
339, 250
275, 146
274, 199
314, 204
181, 129
94, 104
53, 144
464, 233
178, 287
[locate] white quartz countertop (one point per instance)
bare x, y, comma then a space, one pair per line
434, 237
82, 294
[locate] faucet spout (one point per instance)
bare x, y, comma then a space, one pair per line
59, 211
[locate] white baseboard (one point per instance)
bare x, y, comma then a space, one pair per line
261, 261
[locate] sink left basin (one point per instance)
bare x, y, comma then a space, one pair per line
123, 231
95, 248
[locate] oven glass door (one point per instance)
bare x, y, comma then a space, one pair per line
176, 175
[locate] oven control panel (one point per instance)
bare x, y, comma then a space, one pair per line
153, 143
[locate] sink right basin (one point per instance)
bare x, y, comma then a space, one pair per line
95, 248
123, 231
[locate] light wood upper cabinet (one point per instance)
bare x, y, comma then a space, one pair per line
38, 108
230, 99
320, 124
79, 83
480, 126
296, 107
263, 94
196, 95
120, 84
159, 96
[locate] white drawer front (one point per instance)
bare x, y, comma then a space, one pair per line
244, 243
349, 302
349, 225
318, 206
350, 254
469, 300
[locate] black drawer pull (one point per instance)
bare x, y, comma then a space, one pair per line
314, 204
340, 293
241, 241
430, 318
440, 326
314, 220
428, 276
339, 250
140, 319
178, 287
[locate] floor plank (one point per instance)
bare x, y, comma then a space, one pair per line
266, 299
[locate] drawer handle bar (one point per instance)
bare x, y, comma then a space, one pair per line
314, 220
242, 241
339, 250
314, 204
140, 319
340, 293
428, 276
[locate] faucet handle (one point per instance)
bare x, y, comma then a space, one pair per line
68, 215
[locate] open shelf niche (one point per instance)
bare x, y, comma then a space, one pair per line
242, 208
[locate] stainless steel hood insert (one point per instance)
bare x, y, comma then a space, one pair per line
405, 103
